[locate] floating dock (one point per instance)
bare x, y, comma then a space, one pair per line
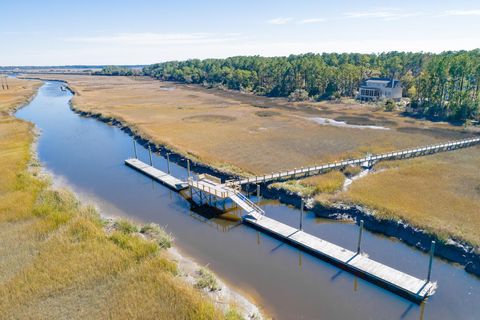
209, 187
212, 191
154, 173
396, 281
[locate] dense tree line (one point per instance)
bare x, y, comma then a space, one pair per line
443, 85
118, 71
449, 85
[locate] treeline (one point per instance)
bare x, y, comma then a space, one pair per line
118, 71
442, 85
449, 86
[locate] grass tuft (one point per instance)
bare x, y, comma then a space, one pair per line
154, 231
138, 247
352, 171
233, 314
125, 226
329, 182
207, 280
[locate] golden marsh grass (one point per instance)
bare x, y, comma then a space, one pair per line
245, 133
440, 193
58, 262
256, 135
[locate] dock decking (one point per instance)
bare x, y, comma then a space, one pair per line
401, 283
156, 174
209, 187
402, 154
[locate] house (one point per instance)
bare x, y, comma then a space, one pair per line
380, 88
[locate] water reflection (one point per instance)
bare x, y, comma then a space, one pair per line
291, 284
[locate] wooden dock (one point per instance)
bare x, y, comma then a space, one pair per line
158, 175
396, 281
211, 191
365, 161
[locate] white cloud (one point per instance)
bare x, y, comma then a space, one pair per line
385, 14
155, 39
473, 12
311, 20
278, 21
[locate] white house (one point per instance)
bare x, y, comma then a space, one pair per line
380, 88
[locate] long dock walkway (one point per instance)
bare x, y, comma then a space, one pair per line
401, 283
156, 174
387, 277
367, 161
208, 187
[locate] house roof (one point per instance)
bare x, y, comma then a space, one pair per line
370, 88
390, 83
379, 79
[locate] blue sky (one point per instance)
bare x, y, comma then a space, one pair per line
142, 32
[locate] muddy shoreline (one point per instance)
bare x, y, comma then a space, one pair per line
455, 251
223, 298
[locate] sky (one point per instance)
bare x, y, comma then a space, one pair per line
51, 32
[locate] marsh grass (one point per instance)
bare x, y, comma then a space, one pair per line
233, 315
436, 193
328, 183
162, 295
351, 171
206, 280
246, 144
157, 233
125, 226
57, 260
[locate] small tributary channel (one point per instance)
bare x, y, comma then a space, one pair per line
87, 155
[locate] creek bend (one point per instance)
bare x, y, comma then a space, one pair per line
87, 155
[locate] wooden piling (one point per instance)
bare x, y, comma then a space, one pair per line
168, 163
150, 155
258, 193
301, 214
360, 236
396, 281
135, 148
432, 251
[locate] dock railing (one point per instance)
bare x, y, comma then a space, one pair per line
317, 169
208, 189
250, 203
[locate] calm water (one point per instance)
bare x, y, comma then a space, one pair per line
88, 156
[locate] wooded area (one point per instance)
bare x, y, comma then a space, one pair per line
445, 85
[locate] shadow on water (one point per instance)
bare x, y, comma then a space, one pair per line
89, 156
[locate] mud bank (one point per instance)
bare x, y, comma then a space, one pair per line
451, 250
175, 156
224, 298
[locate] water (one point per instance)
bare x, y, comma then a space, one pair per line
88, 156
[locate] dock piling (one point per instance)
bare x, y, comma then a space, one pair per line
188, 167
301, 214
168, 162
150, 155
258, 193
135, 148
432, 251
360, 236
190, 187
